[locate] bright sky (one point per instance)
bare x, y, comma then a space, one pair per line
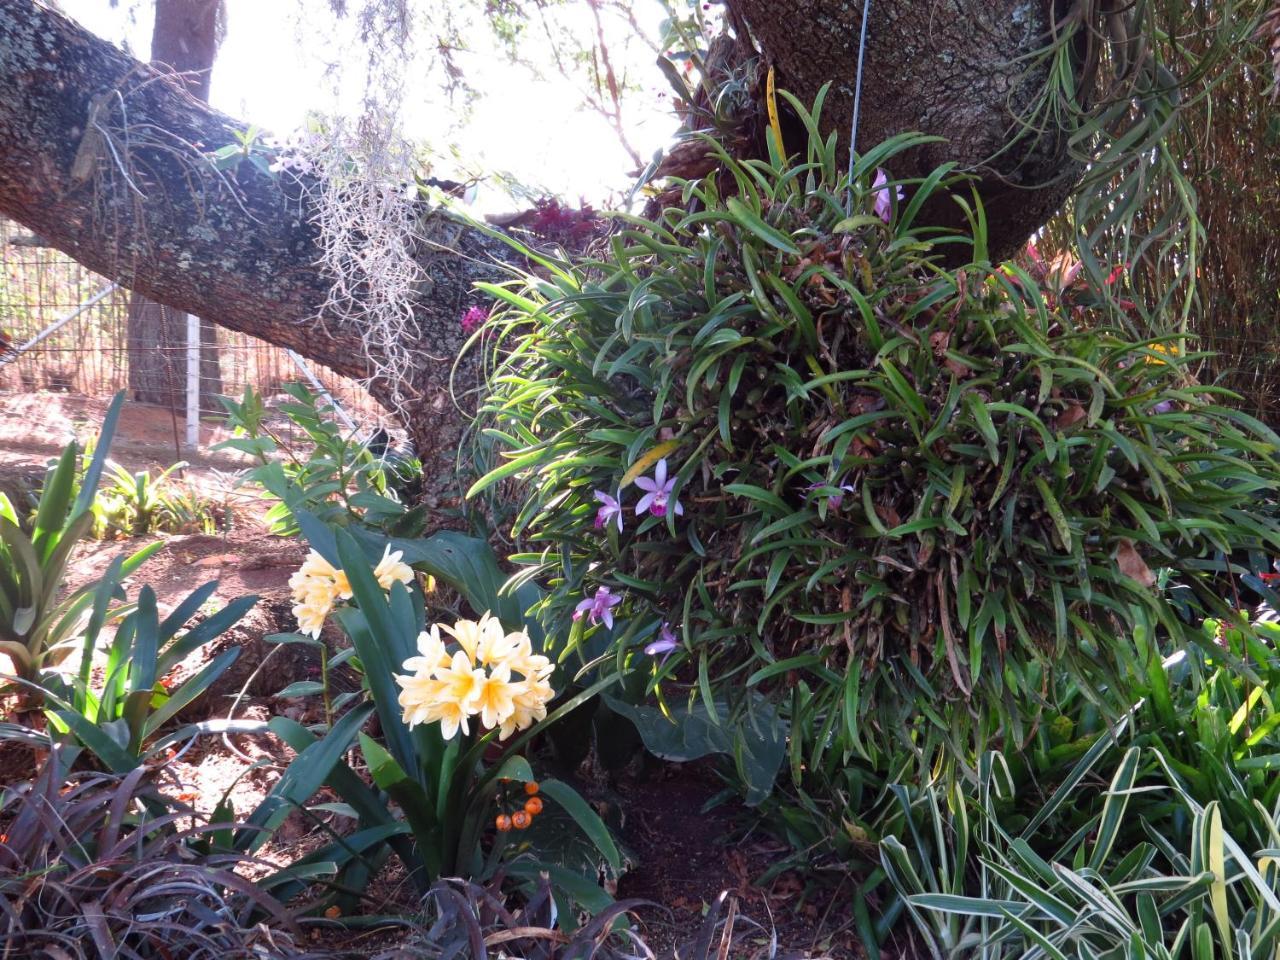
271, 71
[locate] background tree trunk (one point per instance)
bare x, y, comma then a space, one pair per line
239, 247
157, 348
185, 39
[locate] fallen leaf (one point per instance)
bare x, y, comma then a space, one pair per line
888, 515
1132, 565
1069, 417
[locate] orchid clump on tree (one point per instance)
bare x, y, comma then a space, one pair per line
893, 496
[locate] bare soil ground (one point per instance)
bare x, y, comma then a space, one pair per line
684, 856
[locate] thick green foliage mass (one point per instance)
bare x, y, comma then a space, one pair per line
908, 493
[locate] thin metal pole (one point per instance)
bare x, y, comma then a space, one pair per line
857, 97
60, 323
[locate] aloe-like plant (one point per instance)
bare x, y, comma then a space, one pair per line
139, 504
119, 711
38, 625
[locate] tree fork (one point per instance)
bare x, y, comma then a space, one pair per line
964, 70
106, 159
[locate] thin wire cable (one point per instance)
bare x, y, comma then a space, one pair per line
857, 100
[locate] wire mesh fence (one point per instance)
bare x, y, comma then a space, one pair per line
90, 355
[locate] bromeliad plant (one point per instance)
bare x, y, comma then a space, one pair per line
119, 714
117, 704
917, 490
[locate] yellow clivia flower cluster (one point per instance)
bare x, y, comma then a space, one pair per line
318, 586
491, 674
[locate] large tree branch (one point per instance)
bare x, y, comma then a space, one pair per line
107, 159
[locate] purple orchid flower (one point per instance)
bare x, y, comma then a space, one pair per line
834, 500
1164, 406
880, 188
665, 643
598, 609
610, 509
657, 493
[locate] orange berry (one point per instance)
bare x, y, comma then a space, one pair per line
503, 823
520, 820
333, 913
531, 787
533, 806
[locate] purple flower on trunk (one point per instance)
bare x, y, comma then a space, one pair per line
598, 609
610, 509
657, 493
665, 643
880, 188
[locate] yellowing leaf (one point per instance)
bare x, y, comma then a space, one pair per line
1217, 863
645, 462
771, 102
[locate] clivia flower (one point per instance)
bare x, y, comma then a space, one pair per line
665, 643
478, 680
883, 203
610, 509
318, 586
657, 496
598, 609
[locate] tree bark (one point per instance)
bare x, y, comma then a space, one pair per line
107, 159
156, 340
963, 70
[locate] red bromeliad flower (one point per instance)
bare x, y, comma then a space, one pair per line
473, 319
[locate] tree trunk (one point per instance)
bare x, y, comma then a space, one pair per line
184, 39
157, 348
964, 70
108, 160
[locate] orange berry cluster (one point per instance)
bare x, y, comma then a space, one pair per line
521, 819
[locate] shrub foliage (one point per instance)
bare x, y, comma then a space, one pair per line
924, 486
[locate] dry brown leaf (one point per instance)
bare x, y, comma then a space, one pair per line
1132, 565
1069, 417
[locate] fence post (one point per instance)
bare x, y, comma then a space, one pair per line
193, 382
